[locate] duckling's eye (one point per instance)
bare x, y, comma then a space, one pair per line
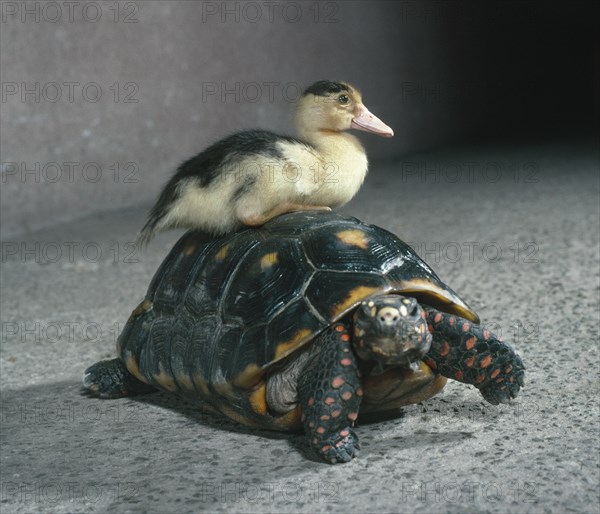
343, 99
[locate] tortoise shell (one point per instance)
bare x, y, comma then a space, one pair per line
219, 312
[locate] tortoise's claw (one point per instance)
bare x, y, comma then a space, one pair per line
340, 448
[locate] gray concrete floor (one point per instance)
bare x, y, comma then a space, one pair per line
532, 274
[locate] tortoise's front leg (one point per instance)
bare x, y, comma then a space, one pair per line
471, 354
329, 390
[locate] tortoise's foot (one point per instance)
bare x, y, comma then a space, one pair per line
111, 379
341, 447
506, 384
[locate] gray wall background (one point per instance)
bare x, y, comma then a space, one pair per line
428, 69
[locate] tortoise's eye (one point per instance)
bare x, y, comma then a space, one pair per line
343, 99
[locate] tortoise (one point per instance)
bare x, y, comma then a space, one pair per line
301, 324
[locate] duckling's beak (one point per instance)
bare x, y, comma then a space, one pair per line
367, 121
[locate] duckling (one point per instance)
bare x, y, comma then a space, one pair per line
254, 175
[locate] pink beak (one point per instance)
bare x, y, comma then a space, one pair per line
365, 120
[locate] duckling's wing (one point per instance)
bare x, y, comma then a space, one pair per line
204, 168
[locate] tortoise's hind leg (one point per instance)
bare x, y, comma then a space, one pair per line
111, 379
330, 392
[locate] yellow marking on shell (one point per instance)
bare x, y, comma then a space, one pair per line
403, 310
290, 420
287, 347
359, 332
133, 368
201, 385
452, 305
258, 399
189, 249
222, 253
249, 377
354, 237
406, 301
185, 382
223, 388
165, 380
269, 260
371, 304
356, 295
143, 307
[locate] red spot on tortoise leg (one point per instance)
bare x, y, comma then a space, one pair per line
336, 413
469, 362
470, 343
508, 369
345, 337
466, 327
451, 321
326, 448
339, 328
495, 373
346, 395
359, 391
485, 362
337, 382
352, 416
310, 402
486, 334
445, 349
346, 362
329, 400
437, 318
345, 433
320, 430
480, 379
458, 375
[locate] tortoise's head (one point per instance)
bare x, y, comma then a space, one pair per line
391, 330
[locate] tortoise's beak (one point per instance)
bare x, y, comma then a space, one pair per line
367, 121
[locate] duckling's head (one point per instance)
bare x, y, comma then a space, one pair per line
334, 107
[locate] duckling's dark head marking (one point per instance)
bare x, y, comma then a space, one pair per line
326, 87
